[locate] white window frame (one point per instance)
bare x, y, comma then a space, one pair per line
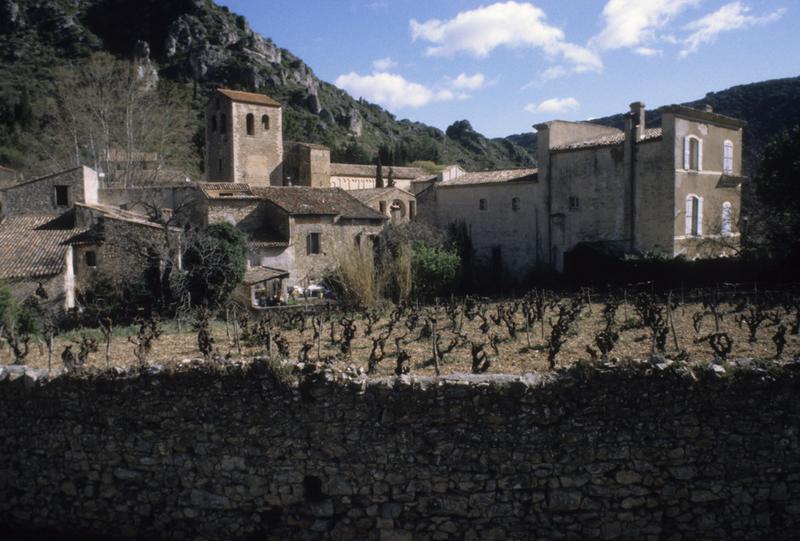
691, 220
687, 153
727, 157
726, 223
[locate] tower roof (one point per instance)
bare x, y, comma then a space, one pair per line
248, 97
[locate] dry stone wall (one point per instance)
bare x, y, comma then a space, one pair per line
624, 453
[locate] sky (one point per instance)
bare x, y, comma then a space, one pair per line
505, 66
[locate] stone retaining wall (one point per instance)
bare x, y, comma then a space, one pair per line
638, 453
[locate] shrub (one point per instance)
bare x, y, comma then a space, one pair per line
435, 270
355, 278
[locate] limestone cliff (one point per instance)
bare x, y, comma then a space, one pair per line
202, 45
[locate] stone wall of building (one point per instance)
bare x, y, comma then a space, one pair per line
38, 196
335, 240
518, 236
258, 158
243, 454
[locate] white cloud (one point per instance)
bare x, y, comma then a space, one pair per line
510, 24
630, 23
729, 17
648, 51
553, 106
469, 82
384, 64
391, 90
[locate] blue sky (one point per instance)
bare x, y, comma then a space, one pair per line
505, 66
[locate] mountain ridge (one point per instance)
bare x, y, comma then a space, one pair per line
200, 44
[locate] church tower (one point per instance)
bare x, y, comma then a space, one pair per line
244, 139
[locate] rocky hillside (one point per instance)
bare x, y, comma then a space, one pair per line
202, 45
768, 107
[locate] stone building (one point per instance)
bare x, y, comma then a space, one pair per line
244, 138
55, 237
350, 176
503, 211
672, 190
396, 204
295, 234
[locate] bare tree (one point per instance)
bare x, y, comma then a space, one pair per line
109, 115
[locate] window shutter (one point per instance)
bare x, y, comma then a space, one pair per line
688, 216
700, 158
686, 153
700, 216
308, 244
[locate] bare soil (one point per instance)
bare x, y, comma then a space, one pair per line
514, 354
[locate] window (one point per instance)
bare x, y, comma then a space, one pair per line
213, 123
383, 207
574, 202
91, 259
223, 123
264, 122
251, 124
515, 204
313, 244
412, 209
727, 219
727, 158
219, 165
62, 196
483, 204
694, 216
692, 154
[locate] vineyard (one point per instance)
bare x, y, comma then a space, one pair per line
537, 332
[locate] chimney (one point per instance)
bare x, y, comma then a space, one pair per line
637, 116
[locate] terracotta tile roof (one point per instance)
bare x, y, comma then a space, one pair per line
34, 246
371, 194
371, 171
493, 177
256, 275
226, 190
301, 200
248, 97
609, 140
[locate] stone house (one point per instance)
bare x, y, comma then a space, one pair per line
55, 237
672, 190
395, 203
503, 212
8, 177
295, 234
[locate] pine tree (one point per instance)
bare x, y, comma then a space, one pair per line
379, 175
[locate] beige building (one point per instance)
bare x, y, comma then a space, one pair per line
244, 139
350, 176
673, 190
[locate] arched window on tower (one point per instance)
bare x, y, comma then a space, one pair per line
727, 158
265, 122
694, 216
726, 229
251, 124
214, 123
223, 123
